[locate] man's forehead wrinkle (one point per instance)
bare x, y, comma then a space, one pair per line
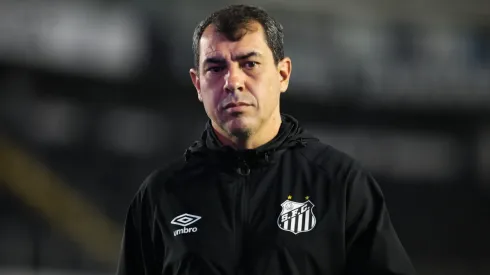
212, 52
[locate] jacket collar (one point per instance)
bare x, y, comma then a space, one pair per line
290, 135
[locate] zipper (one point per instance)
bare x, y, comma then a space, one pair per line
243, 171
244, 186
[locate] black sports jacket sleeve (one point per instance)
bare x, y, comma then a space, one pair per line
372, 244
138, 254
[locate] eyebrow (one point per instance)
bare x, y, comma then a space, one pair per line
221, 60
247, 55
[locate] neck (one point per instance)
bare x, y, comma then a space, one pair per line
264, 134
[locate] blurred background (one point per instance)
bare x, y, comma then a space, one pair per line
94, 95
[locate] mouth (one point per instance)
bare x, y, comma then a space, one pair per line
236, 104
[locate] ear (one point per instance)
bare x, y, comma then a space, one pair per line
284, 69
194, 73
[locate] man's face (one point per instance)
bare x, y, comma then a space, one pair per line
238, 82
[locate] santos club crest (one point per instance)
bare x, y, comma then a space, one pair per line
297, 217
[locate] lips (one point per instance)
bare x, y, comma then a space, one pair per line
236, 104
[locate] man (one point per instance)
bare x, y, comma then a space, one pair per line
256, 194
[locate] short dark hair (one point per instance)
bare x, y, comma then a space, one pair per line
234, 22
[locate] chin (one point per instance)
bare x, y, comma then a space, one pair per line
240, 132
240, 126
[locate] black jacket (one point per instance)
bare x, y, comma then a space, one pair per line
293, 206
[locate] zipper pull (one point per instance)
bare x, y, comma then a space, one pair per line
243, 169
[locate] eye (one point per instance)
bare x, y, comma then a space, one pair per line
250, 64
215, 69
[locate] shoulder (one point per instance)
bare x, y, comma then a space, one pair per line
343, 171
155, 183
330, 159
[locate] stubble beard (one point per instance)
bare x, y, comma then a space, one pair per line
242, 132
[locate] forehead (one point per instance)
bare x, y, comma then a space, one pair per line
214, 43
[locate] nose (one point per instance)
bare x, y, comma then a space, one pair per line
234, 80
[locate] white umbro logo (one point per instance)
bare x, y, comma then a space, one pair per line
185, 220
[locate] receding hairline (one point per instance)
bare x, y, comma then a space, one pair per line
251, 26
238, 17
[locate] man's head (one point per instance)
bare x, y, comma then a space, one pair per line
240, 69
